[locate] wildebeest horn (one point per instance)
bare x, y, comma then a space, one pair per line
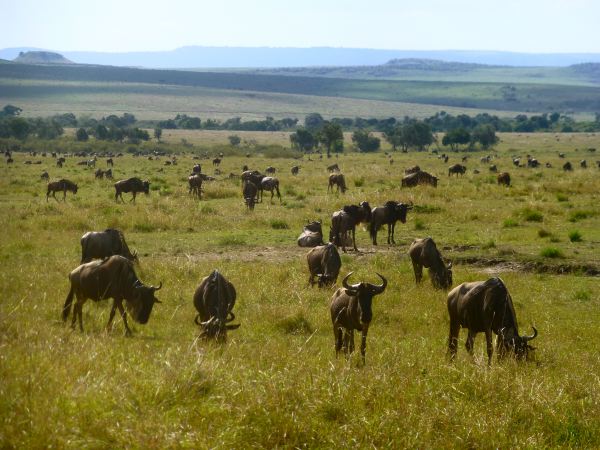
533, 336
380, 288
350, 287
230, 317
157, 288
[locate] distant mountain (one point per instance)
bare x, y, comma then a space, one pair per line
41, 57
269, 57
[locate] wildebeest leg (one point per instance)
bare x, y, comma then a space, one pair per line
64, 195
54, 195
418, 268
453, 340
119, 303
354, 238
469, 343
337, 336
391, 228
133, 198
363, 341
111, 316
78, 314
490, 347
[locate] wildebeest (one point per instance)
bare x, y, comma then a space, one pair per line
345, 221
102, 244
312, 235
195, 185
9, 160
250, 191
486, 159
517, 162
295, 170
351, 309
338, 180
417, 178
532, 162
214, 300
567, 166
133, 185
457, 169
61, 185
561, 155
196, 169
413, 169
424, 253
109, 162
324, 262
216, 161
270, 184
583, 164
270, 170
493, 168
45, 176
598, 164
110, 278
388, 214
108, 174
255, 177
60, 161
504, 178
333, 168
486, 306
99, 174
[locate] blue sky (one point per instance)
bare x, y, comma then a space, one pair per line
545, 26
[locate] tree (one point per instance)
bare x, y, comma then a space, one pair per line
456, 137
101, 132
485, 135
365, 141
303, 140
11, 110
314, 121
395, 137
418, 134
157, 133
19, 127
81, 135
331, 135
235, 140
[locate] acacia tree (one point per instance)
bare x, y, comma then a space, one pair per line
485, 135
365, 141
157, 133
456, 137
303, 140
331, 135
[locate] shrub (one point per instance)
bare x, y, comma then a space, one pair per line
576, 216
531, 215
575, 236
278, 224
552, 252
489, 244
582, 295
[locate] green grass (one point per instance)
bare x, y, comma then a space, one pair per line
552, 252
575, 236
276, 383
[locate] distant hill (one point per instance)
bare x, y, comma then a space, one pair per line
41, 57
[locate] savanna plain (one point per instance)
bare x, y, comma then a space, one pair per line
276, 382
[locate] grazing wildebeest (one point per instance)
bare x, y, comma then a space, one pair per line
424, 253
333, 168
413, 169
91, 163
457, 169
417, 178
214, 300
583, 164
195, 185
504, 178
295, 170
345, 221
561, 155
486, 306
255, 177
61, 185
109, 162
216, 161
517, 162
351, 309
108, 174
270, 170
388, 214
493, 168
133, 185
250, 192
45, 176
324, 262
312, 235
548, 165
60, 161
270, 184
110, 278
532, 162
167, 163
486, 159
338, 180
102, 244
99, 173
567, 166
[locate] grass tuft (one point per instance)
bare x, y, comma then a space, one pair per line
551, 252
575, 236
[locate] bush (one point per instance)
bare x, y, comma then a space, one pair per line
575, 236
531, 215
278, 224
551, 252
576, 216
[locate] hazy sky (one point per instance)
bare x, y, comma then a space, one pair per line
126, 25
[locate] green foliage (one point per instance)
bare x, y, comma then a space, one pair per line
234, 140
551, 252
485, 135
419, 224
332, 137
581, 214
562, 197
575, 236
543, 233
531, 215
456, 137
81, 135
510, 223
365, 141
278, 224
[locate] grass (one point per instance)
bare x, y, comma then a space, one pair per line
552, 252
277, 382
575, 236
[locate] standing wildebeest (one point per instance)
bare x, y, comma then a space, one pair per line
270, 184
567, 166
338, 180
345, 221
458, 169
45, 176
250, 191
312, 235
486, 306
61, 185
110, 278
133, 185
214, 300
532, 162
504, 178
583, 164
99, 174
417, 178
195, 184
387, 214
413, 169
270, 170
333, 168
493, 168
60, 161
351, 309
324, 262
255, 177
108, 174
424, 253
295, 170
102, 244
216, 161
109, 162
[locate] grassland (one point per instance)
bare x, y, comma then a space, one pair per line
276, 382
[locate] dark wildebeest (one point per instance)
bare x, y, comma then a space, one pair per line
387, 214
133, 185
110, 278
196, 169
504, 178
108, 174
598, 164
45, 176
9, 160
250, 191
417, 178
517, 162
312, 235
60, 161
333, 168
561, 155
486, 306
532, 163
102, 244
583, 164
345, 221
486, 159
109, 162
255, 177
295, 170
493, 168
214, 300
324, 262
457, 169
195, 185
216, 161
270, 170
424, 253
567, 166
99, 174
413, 169
61, 185
270, 184
338, 180
351, 309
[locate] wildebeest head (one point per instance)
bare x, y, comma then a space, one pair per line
218, 301
146, 184
364, 293
314, 226
510, 342
140, 305
443, 278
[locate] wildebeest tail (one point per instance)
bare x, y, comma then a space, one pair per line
67, 308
